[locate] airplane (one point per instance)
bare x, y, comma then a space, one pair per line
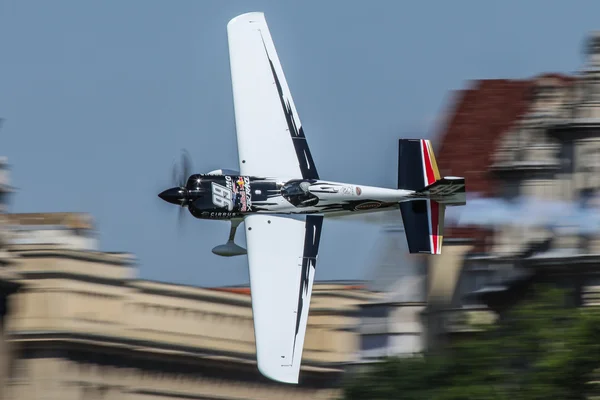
282, 200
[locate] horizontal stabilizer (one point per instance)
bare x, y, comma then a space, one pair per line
448, 191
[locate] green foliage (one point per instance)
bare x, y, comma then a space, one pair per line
541, 349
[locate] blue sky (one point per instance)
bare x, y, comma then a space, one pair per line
99, 98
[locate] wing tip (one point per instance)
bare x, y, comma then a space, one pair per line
271, 366
246, 17
279, 374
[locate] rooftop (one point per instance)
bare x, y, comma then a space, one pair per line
327, 285
476, 122
66, 219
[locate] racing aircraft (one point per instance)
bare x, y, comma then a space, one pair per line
282, 200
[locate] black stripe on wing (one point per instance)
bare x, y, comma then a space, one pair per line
307, 165
312, 237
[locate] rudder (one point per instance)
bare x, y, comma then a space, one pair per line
423, 219
417, 166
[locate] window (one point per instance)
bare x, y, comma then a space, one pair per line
511, 190
375, 311
586, 195
474, 277
374, 342
588, 163
594, 90
566, 156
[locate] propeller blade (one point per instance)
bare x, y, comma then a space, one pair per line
186, 166
180, 172
180, 217
175, 175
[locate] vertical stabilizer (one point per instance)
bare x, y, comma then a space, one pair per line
423, 218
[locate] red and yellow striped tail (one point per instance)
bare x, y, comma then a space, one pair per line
423, 218
436, 211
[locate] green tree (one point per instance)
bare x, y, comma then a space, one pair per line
541, 349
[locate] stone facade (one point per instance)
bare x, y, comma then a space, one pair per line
82, 326
8, 277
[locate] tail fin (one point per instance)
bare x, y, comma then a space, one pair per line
417, 167
424, 217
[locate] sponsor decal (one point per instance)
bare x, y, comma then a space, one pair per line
243, 194
222, 196
347, 190
358, 191
220, 214
368, 205
248, 193
214, 214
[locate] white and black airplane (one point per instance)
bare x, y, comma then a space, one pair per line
282, 200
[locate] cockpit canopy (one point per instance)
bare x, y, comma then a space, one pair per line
223, 172
297, 192
295, 187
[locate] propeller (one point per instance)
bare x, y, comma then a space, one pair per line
180, 180
178, 194
181, 174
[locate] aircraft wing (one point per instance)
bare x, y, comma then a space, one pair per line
282, 255
271, 141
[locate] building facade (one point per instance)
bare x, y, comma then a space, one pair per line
519, 143
538, 143
389, 324
82, 326
410, 294
8, 277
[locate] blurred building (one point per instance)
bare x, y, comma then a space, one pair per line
82, 326
8, 278
538, 138
535, 138
390, 323
477, 122
407, 289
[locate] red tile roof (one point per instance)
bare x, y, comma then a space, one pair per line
473, 130
240, 290
475, 125
482, 114
246, 290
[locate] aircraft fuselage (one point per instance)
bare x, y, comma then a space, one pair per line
224, 197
